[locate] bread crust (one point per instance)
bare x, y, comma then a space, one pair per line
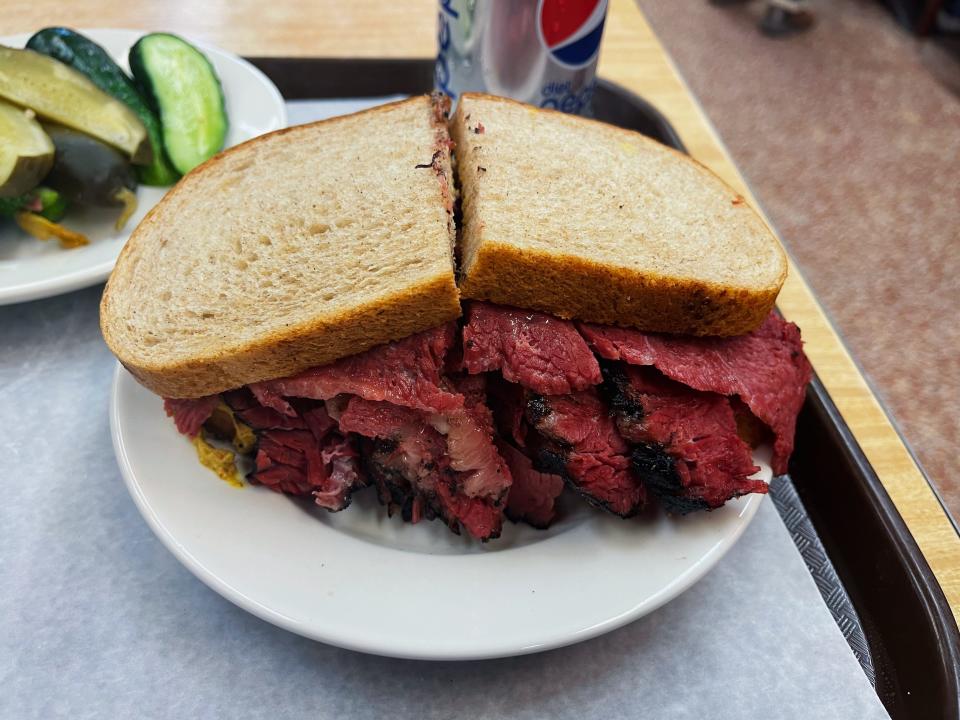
321, 340
575, 287
572, 287
298, 348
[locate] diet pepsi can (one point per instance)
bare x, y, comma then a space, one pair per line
542, 52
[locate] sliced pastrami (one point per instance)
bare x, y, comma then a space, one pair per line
685, 442
405, 373
541, 352
766, 368
580, 442
189, 415
428, 464
533, 494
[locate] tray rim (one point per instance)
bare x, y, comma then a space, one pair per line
922, 578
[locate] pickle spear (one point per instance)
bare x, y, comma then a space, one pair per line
26, 153
57, 92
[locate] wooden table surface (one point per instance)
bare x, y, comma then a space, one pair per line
632, 56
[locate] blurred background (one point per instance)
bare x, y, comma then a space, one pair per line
849, 135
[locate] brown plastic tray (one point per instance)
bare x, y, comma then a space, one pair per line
913, 638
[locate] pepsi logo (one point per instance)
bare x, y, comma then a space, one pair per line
570, 30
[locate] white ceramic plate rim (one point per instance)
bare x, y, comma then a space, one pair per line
347, 635
99, 271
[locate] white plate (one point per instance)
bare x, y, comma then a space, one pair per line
31, 269
363, 581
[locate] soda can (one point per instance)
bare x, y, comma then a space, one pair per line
542, 52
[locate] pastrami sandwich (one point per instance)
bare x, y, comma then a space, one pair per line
610, 331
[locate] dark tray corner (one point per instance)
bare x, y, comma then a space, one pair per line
913, 637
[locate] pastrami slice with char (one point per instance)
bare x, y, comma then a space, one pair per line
390, 472
403, 455
436, 464
481, 517
766, 368
541, 352
579, 441
685, 442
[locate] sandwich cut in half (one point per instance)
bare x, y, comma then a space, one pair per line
586, 220
295, 298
